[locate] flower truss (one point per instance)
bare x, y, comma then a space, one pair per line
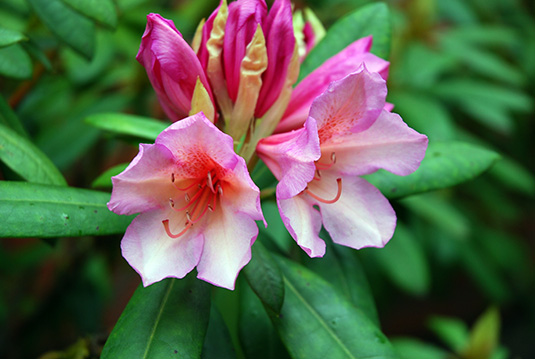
232, 97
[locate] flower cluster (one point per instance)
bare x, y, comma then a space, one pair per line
232, 97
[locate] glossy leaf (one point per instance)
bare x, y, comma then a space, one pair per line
317, 322
217, 343
68, 25
265, 278
25, 159
102, 11
445, 164
44, 211
341, 267
8, 37
9, 118
403, 261
373, 19
120, 123
165, 320
15, 62
104, 180
258, 337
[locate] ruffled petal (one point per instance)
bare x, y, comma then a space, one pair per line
146, 183
153, 254
303, 222
362, 216
342, 64
290, 156
349, 105
389, 144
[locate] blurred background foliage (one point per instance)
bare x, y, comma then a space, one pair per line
457, 279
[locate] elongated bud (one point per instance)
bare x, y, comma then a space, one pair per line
252, 67
214, 67
201, 102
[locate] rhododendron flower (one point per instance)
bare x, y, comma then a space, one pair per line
242, 65
355, 137
197, 205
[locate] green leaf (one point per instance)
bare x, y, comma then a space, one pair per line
275, 230
453, 332
258, 337
25, 159
104, 180
144, 127
69, 26
484, 337
167, 319
317, 322
9, 118
9, 37
410, 348
372, 19
514, 176
341, 267
44, 211
265, 278
217, 343
102, 11
445, 164
15, 62
403, 261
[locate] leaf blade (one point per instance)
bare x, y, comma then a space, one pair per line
144, 127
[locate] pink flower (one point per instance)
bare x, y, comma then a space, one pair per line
197, 205
335, 68
356, 136
242, 56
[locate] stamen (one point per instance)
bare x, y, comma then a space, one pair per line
326, 166
339, 182
209, 181
220, 190
333, 157
168, 231
181, 189
186, 197
317, 175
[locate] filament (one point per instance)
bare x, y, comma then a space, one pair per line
336, 198
168, 231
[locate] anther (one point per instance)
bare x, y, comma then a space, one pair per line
220, 190
210, 208
333, 157
209, 182
186, 197
336, 198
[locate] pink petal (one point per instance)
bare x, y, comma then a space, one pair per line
172, 66
144, 185
342, 64
349, 105
280, 42
304, 223
290, 156
389, 144
243, 18
196, 136
362, 217
149, 250
227, 247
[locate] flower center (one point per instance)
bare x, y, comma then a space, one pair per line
317, 177
200, 197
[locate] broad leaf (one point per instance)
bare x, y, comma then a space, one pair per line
341, 267
409, 348
167, 319
317, 322
8, 37
15, 62
102, 11
9, 118
217, 343
451, 331
68, 25
25, 159
265, 278
373, 19
445, 164
35, 210
144, 127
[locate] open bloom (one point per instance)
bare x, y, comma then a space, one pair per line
242, 65
197, 205
355, 136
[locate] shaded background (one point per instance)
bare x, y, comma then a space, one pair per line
460, 70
